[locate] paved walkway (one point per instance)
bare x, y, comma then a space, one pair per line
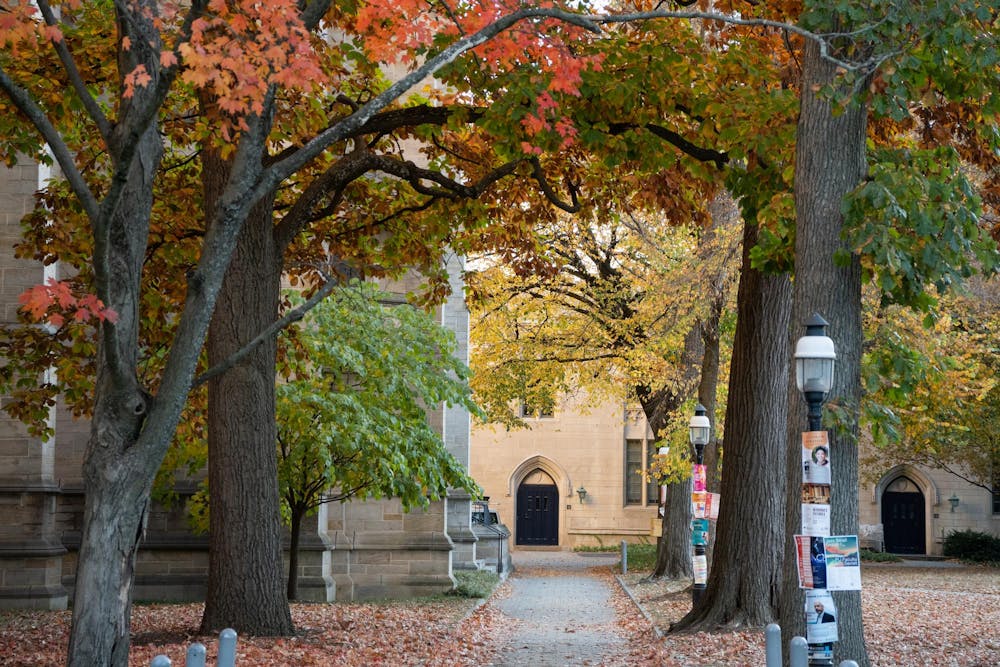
562, 612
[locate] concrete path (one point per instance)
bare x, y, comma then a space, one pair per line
562, 612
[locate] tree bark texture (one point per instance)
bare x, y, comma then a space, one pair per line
246, 589
744, 583
673, 550
830, 162
117, 474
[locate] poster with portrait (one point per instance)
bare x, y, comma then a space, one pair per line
821, 617
816, 461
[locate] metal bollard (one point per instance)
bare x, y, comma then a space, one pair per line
160, 661
798, 652
227, 648
195, 655
772, 644
624, 557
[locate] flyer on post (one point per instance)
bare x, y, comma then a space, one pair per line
816, 461
821, 618
843, 563
832, 563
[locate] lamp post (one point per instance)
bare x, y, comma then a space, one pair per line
700, 428
814, 360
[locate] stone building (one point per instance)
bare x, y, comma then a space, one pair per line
533, 476
350, 551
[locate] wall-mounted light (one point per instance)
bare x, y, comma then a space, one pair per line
954, 502
582, 492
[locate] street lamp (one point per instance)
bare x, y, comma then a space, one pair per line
699, 429
814, 359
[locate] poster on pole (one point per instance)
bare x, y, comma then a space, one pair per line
816, 462
810, 561
843, 563
816, 520
698, 476
821, 618
832, 563
705, 505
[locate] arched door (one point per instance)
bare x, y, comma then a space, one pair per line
537, 513
903, 517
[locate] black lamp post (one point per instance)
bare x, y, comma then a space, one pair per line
814, 359
700, 429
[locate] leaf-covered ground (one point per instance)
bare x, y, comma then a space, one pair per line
913, 617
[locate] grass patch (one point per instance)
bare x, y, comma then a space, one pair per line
475, 583
589, 549
641, 557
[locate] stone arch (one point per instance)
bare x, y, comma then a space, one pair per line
545, 464
926, 486
917, 476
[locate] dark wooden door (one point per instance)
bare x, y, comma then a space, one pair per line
537, 514
903, 520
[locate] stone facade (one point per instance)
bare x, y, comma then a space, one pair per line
351, 551
587, 448
575, 447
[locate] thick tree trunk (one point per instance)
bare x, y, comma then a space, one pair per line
117, 474
830, 162
745, 580
245, 579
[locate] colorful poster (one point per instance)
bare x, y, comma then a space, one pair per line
705, 505
810, 560
821, 618
843, 563
698, 476
832, 563
816, 520
816, 464
699, 532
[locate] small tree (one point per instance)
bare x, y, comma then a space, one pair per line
352, 418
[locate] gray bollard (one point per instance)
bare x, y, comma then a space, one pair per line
624, 557
227, 648
798, 652
772, 644
848, 663
195, 655
160, 661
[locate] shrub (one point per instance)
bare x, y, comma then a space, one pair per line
879, 557
972, 546
475, 583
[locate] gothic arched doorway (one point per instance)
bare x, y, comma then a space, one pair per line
537, 511
904, 518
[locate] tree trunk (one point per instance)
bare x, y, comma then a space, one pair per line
830, 162
245, 578
298, 514
745, 580
673, 550
117, 474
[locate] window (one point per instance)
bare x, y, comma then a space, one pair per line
546, 410
638, 490
652, 486
633, 472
